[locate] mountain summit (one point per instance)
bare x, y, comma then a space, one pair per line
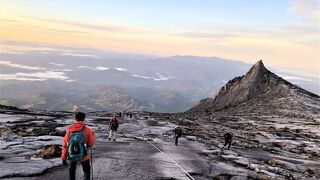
258, 87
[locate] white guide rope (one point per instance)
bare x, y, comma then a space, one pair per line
188, 175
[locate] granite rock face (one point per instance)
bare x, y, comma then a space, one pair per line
258, 88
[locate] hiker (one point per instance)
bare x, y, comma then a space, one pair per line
227, 139
75, 146
177, 134
113, 126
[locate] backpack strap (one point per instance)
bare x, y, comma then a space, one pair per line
82, 131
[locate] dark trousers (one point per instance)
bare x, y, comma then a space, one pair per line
176, 142
227, 143
85, 167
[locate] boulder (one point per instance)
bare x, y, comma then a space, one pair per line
152, 122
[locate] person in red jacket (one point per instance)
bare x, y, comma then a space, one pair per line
113, 126
78, 125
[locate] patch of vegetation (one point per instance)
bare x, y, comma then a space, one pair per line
50, 151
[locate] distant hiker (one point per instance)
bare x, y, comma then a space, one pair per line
177, 134
113, 126
75, 146
227, 139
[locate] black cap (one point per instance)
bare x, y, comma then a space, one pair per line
80, 116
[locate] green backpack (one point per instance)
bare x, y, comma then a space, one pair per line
77, 149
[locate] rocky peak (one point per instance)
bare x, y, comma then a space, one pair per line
257, 73
258, 68
257, 84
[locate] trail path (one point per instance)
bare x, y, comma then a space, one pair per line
131, 157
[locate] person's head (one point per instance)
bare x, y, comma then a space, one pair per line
80, 116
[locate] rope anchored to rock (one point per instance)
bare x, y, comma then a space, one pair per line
187, 174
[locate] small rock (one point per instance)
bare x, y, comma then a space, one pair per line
253, 167
191, 138
152, 123
239, 178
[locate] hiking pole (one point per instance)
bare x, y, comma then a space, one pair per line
91, 163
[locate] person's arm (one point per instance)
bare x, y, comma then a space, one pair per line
117, 121
65, 146
90, 141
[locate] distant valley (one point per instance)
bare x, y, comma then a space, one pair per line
92, 80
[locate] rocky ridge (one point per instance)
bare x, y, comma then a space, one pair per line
259, 90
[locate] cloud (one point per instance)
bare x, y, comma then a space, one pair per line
21, 47
79, 24
224, 39
302, 29
98, 68
101, 68
80, 55
20, 66
162, 78
121, 69
110, 27
207, 33
305, 8
56, 64
37, 76
65, 70
159, 78
295, 78
144, 77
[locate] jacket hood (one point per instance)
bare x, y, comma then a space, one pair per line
77, 126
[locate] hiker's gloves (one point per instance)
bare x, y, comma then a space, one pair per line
65, 163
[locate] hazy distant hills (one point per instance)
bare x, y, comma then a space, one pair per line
97, 80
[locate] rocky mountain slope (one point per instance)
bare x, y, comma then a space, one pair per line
259, 90
265, 146
275, 127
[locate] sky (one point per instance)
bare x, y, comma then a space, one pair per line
284, 33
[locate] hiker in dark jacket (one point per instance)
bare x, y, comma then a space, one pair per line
227, 139
113, 126
71, 146
177, 134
